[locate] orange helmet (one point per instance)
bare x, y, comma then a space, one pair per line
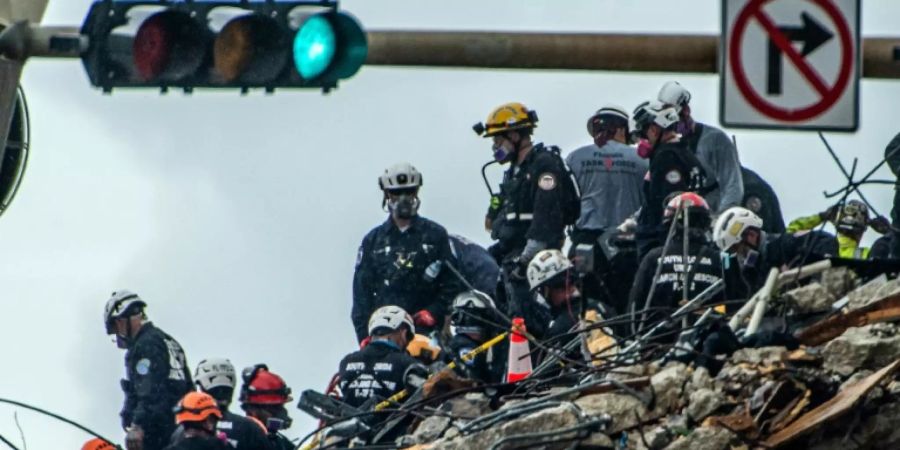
196, 407
262, 387
97, 444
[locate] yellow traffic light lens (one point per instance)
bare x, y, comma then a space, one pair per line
252, 49
168, 46
314, 46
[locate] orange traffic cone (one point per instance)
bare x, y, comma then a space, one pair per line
519, 363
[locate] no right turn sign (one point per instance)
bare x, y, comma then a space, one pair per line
790, 64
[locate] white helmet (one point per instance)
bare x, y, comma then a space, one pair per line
546, 265
731, 224
121, 304
391, 318
215, 372
400, 176
673, 93
655, 112
609, 112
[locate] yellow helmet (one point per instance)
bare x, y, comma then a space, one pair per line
506, 117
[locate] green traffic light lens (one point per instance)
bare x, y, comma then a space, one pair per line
314, 47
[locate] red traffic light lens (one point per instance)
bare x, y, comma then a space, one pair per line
169, 46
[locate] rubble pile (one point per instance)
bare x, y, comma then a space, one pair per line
836, 389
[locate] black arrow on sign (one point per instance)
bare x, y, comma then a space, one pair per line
811, 33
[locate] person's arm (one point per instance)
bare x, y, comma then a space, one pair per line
804, 223
362, 291
448, 285
153, 404
727, 167
547, 222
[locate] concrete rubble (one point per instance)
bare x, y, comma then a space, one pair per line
842, 394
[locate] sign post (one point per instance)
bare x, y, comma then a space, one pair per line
790, 64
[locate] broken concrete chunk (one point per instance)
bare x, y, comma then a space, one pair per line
431, 429
866, 293
704, 438
869, 347
703, 403
550, 419
765, 356
622, 408
596, 441
838, 281
810, 298
668, 385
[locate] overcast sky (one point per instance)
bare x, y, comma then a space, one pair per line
238, 218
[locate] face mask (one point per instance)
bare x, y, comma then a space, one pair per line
404, 207
645, 149
501, 154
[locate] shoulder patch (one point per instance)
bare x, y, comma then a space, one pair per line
673, 177
142, 367
359, 256
547, 181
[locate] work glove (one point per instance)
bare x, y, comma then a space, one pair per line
424, 319
880, 224
517, 268
134, 439
365, 342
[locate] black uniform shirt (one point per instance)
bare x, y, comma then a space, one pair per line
531, 202
673, 168
373, 372
403, 268
704, 268
157, 377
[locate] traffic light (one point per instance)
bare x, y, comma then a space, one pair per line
221, 44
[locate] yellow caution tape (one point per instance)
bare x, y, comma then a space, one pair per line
465, 358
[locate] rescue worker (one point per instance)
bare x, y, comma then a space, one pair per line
550, 277
760, 198
198, 415
723, 186
382, 368
610, 175
700, 268
98, 444
263, 396
850, 221
400, 262
537, 199
475, 263
892, 156
673, 168
216, 377
379, 370
156, 370
471, 324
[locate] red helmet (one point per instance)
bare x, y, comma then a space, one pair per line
262, 387
693, 204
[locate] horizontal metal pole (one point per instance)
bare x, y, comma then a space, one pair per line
500, 50
580, 51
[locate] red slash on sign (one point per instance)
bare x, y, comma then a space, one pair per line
828, 95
